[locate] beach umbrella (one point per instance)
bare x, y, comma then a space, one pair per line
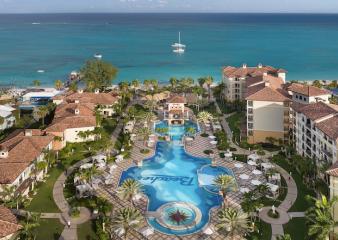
256, 172
244, 176
238, 165
252, 163
256, 182
212, 137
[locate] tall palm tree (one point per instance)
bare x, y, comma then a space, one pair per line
58, 84
7, 193
173, 82
250, 204
225, 183
209, 80
144, 133
154, 84
146, 84
201, 81
36, 83
125, 220
128, 189
204, 117
41, 113
320, 218
234, 221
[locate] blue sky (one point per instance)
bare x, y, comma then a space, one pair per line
35, 6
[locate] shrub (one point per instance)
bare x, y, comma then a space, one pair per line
75, 212
232, 149
208, 151
204, 135
144, 151
260, 152
221, 155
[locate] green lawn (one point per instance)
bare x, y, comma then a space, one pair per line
296, 228
301, 203
264, 233
86, 231
50, 229
234, 124
43, 200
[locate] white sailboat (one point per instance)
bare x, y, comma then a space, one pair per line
178, 47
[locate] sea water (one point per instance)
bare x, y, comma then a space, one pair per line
49, 46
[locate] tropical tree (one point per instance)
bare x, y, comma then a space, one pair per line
136, 84
98, 74
30, 223
150, 104
147, 117
234, 221
73, 86
320, 218
201, 81
125, 220
251, 204
147, 84
173, 82
7, 193
144, 133
208, 81
41, 113
191, 131
225, 183
58, 84
204, 116
154, 84
317, 83
284, 237
129, 189
36, 83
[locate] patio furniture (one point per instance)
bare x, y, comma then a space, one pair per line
119, 158
252, 163
209, 230
244, 190
147, 231
256, 172
254, 157
212, 137
238, 165
86, 166
244, 176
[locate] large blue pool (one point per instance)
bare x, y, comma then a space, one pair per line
171, 175
177, 131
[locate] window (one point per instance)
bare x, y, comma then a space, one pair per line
250, 111
250, 103
296, 96
300, 97
250, 125
304, 99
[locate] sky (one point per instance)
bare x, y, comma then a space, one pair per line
55, 6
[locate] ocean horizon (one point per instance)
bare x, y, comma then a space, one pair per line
49, 46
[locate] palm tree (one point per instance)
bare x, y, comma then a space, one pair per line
147, 117
154, 84
225, 183
144, 133
29, 225
7, 193
41, 113
73, 86
173, 82
209, 80
91, 172
284, 237
201, 81
128, 189
150, 104
250, 204
125, 220
146, 84
234, 221
136, 84
36, 83
204, 116
320, 218
58, 84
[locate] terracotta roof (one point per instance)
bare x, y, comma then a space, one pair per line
268, 94
175, 111
231, 71
307, 90
89, 97
329, 127
333, 170
76, 121
177, 99
68, 109
8, 222
316, 111
22, 151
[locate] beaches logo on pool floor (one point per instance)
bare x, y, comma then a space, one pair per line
183, 180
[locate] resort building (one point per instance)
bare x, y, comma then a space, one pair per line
9, 226
175, 112
70, 120
267, 109
315, 131
306, 94
6, 116
104, 101
19, 154
235, 78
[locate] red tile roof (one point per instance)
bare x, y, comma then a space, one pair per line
8, 222
76, 121
68, 109
315, 111
307, 90
329, 127
231, 71
268, 94
22, 152
177, 99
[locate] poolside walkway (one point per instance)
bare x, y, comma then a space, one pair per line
291, 197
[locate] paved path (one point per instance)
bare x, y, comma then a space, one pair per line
291, 197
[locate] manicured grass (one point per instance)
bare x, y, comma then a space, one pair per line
234, 124
50, 229
296, 228
301, 204
43, 200
264, 233
86, 231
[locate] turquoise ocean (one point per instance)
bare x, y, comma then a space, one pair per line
140, 44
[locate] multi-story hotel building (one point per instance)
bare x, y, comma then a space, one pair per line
235, 78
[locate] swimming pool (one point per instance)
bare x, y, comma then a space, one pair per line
176, 132
170, 177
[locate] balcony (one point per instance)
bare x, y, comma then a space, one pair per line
327, 152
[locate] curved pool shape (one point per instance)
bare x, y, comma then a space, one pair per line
208, 173
171, 176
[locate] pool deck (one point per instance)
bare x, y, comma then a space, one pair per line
195, 148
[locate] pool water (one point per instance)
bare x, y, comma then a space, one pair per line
176, 132
171, 176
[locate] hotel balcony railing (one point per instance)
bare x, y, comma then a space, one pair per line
308, 125
326, 152
308, 133
308, 152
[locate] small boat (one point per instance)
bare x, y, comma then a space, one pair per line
178, 47
40, 71
98, 56
36, 23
